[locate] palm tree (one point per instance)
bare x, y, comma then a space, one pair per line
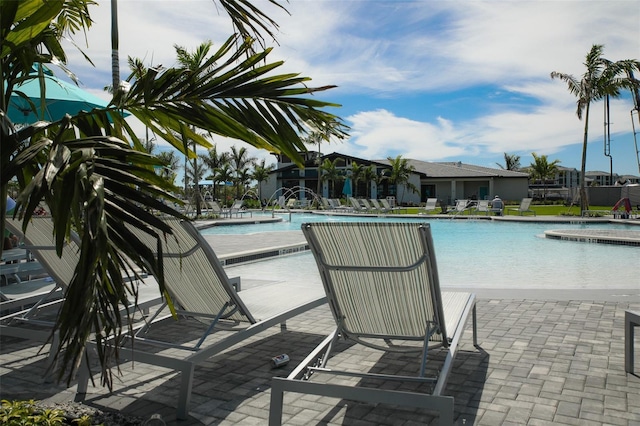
224, 173
331, 173
261, 174
241, 162
511, 162
194, 174
369, 175
357, 171
400, 173
322, 132
315, 137
542, 169
192, 64
602, 78
95, 180
214, 161
170, 163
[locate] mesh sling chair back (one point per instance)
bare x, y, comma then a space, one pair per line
199, 288
39, 240
381, 282
524, 207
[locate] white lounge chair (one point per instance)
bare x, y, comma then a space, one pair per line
237, 210
356, 206
377, 206
382, 287
48, 294
200, 288
482, 206
430, 205
387, 206
461, 207
216, 209
367, 208
524, 207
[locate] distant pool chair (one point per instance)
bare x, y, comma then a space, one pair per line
524, 207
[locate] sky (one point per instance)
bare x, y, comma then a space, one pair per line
429, 80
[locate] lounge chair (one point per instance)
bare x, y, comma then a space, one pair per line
326, 205
366, 206
200, 288
524, 207
236, 209
482, 206
377, 206
430, 206
357, 207
216, 209
382, 287
46, 295
387, 206
337, 205
39, 241
461, 207
291, 203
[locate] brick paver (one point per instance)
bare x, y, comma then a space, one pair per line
540, 361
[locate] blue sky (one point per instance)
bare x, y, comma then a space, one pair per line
429, 80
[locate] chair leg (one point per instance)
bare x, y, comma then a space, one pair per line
275, 405
631, 320
475, 326
185, 391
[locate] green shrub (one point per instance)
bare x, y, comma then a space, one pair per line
26, 413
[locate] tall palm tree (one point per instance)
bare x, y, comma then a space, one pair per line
369, 174
542, 169
315, 137
170, 163
224, 173
89, 171
511, 162
601, 78
261, 174
194, 174
320, 132
214, 161
332, 174
400, 173
241, 162
356, 176
192, 64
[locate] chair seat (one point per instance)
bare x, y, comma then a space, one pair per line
454, 303
269, 300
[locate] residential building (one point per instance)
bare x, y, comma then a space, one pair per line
446, 181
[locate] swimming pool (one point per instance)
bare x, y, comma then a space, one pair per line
482, 253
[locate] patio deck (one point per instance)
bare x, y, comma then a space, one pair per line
545, 357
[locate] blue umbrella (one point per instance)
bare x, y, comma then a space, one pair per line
346, 189
60, 98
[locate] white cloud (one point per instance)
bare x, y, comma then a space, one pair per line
390, 49
379, 134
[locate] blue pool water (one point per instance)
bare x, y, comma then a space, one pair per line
490, 254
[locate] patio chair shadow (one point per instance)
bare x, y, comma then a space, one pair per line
221, 384
465, 384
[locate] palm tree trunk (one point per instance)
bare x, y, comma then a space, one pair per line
115, 61
584, 203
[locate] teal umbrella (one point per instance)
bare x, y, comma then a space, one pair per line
346, 189
60, 98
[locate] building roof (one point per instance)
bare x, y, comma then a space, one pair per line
458, 170
430, 169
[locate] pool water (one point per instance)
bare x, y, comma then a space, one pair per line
488, 254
